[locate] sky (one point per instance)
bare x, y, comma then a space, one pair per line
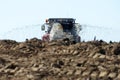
21, 19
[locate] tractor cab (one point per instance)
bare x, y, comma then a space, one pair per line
67, 23
60, 28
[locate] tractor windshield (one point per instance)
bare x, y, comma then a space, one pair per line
67, 27
67, 23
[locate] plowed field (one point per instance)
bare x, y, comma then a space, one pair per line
37, 60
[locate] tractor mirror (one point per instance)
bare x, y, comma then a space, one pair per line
43, 27
78, 26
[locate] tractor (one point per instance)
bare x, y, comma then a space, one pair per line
61, 29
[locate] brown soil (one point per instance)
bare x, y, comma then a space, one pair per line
37, 60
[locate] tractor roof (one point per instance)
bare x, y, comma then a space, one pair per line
61, 20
